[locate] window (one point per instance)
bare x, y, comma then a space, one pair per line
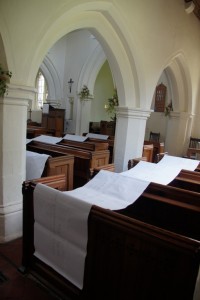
42, 91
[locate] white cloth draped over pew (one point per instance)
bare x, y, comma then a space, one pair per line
164, 171
35, 164
61, 217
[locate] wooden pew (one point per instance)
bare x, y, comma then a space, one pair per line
56, 182
130, 259
189, 180
108, 167
148, 152
110, 141
158, 147
134, 161
134, 253
84, 160
193, 152
91, 146
186, 182
63, 164
34, 131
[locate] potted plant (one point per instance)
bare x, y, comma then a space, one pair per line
85, 93
168, 109
4, 77
111, 106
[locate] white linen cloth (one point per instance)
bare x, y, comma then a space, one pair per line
60, 230
28, 141
110, 190
97, 136
74, 137
164, 171
47, 139
35, 164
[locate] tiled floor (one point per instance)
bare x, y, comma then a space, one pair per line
13, 284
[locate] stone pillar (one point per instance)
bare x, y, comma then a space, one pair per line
13, 117
85, 115
129, 135
177, 133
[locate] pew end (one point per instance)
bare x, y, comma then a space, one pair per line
134, 161
108, 167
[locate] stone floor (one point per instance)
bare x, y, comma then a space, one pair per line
13, 284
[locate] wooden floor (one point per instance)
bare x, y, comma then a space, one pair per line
13, 284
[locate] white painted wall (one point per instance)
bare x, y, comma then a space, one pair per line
140, 39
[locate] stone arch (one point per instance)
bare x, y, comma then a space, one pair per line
180, 80
53, 81
91, 69
100, 21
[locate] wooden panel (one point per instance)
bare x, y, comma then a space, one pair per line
84, 160
62, 165
54, 120
148, 152
131, 259
160, 98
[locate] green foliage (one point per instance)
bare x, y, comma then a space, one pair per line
85, 93
111, 106
4, 76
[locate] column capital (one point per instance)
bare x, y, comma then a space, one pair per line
135, 113
18, 95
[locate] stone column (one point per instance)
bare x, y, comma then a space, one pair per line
85, 115
13, 117
177, 133
129, 135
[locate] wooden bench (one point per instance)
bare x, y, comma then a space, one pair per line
189, 180
110, 141
134, 253
91, 146
56, 182
63, 164
148, 152
84, 160
59, 163
193, 152
34, 131
158, 147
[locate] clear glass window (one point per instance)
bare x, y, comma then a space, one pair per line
42, 91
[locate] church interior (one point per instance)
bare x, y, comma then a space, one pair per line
100, 100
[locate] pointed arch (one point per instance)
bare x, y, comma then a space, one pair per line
100, 21
91, 68
52, 78
179, 77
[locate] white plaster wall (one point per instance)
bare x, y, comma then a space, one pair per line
139, 38
151, 45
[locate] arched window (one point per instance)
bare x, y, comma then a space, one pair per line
42, 91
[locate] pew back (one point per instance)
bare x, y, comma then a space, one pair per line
84, 160
129, 259
126, 256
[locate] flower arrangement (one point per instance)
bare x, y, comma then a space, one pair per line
4, 76
85, 93
168, 109
111, 106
